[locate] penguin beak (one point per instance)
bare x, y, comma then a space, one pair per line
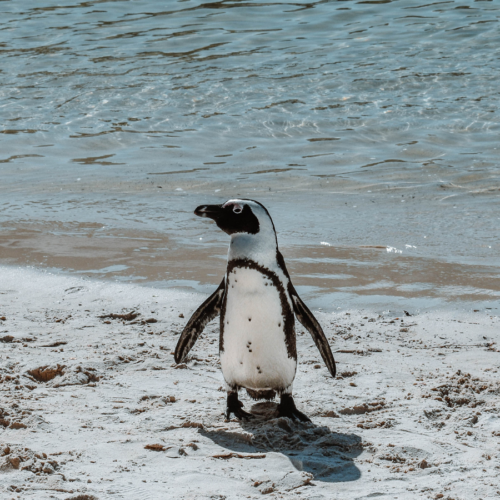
211, 211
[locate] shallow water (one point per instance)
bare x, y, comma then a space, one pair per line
359, 124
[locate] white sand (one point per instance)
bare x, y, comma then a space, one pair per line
114, 395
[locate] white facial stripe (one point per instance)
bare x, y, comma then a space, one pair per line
260, 247
237, 208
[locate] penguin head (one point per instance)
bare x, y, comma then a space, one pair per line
238, 216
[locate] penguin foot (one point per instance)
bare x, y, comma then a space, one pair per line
234, 405
287, 408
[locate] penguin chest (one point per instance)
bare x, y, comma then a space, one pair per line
255, 322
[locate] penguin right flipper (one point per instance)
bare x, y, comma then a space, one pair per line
310, 323
196, 324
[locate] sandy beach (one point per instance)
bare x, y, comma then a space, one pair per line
93, 404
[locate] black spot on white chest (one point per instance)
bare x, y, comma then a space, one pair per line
252, 301
256, 308
255, 350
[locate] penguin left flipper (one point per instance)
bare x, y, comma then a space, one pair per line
196, 324
310, 323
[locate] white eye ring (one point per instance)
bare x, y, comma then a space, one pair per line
237, 209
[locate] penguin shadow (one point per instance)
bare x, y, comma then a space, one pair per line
329, 456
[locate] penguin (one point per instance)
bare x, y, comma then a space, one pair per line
257, 304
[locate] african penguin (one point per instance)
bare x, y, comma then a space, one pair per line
257, 303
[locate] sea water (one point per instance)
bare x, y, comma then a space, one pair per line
369, 129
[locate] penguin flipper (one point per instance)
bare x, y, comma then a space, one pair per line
311, 324
196, 324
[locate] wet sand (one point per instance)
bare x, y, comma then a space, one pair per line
95, 405
332, 275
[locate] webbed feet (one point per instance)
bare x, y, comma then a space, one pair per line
234, 406
287, 408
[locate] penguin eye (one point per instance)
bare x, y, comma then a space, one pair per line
237, 209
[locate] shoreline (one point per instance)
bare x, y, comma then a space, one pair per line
329, 277
399, 411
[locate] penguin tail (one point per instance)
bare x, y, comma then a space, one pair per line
267, 394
